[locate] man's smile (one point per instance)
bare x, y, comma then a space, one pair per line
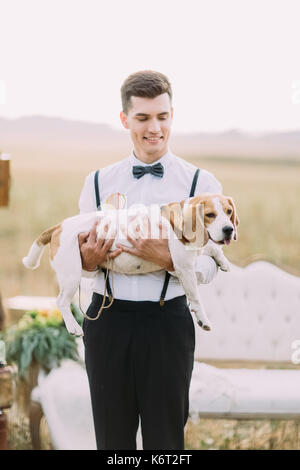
153, 140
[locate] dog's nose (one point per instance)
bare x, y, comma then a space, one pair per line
227, 230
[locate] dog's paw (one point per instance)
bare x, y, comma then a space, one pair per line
205, 326
74, 329
203, 321
224, 266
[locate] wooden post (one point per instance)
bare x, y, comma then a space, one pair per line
3, 431
6, 400
4, 179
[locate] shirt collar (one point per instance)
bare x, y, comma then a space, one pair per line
164, 160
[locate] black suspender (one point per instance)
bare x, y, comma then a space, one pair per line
195, 179
97, 194
98, 205
167, 276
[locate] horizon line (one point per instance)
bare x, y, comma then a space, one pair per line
112, 126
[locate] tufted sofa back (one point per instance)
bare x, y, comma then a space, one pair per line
255, 313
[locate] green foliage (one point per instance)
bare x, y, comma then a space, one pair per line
40, 336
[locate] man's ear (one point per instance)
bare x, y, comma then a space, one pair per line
124, 118
193, 225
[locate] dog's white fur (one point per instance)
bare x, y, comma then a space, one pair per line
66, 260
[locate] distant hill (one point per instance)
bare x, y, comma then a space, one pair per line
39, 141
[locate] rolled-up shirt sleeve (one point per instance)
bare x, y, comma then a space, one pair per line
87, 200
90, 274
87, 203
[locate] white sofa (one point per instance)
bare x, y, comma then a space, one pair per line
255, 313
256, 317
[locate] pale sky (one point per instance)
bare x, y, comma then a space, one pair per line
232, 63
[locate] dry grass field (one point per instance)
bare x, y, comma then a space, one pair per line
204, 434
267, 196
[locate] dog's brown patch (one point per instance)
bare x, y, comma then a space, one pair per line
55, 241
173, 213
225, 204
45, 236
207, 201
51, 235
234, 217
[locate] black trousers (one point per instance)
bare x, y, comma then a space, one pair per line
139, 359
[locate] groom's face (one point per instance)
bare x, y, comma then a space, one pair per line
149, 121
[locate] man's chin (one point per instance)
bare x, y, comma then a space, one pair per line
153, 149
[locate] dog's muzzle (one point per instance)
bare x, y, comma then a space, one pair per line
228, 233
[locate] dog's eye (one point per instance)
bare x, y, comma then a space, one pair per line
210, 214
229, 211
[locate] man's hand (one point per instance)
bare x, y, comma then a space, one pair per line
150, 249
94, 252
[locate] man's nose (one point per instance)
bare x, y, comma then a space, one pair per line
154, 126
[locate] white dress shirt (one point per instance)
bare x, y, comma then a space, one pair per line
175, 185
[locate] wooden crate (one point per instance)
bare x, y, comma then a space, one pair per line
4, 179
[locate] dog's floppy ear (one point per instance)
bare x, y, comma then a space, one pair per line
187, 221
194, 229
234, 217
173, 213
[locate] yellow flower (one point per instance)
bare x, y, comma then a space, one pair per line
44, 313
56, 314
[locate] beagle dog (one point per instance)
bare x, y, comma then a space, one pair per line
197, 225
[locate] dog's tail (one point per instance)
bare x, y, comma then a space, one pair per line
32, 260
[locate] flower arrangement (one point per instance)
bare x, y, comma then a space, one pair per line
41, 336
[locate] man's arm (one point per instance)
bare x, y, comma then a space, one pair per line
150, 249
86, 204
94, 252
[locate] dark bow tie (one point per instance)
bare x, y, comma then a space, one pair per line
157, 170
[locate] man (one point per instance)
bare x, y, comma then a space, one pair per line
140, 352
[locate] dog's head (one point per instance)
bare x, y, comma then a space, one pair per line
200, 218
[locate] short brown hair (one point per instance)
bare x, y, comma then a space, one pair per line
146, 84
